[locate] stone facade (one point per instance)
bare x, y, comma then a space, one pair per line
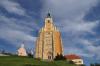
49, 42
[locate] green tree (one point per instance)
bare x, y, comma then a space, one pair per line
92, 65
59, 57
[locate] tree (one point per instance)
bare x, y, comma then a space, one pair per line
59, 57
97, 64
92, 65
71, 62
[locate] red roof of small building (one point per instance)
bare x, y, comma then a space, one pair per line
72, 56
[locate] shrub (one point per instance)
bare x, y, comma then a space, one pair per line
59, 57
71, 62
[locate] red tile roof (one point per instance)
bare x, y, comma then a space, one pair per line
72, 56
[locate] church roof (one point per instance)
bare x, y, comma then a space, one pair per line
72, 56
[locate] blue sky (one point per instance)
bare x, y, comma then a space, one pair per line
77, 20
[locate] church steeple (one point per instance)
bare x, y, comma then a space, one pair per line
49, 43
48, 22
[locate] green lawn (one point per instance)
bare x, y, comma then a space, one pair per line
25, 61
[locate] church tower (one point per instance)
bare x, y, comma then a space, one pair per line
49, 42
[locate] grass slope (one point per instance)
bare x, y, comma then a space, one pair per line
25, 61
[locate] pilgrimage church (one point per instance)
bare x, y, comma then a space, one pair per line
22, 51
49, 42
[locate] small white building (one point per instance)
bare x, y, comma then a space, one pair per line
22, 51
76, 59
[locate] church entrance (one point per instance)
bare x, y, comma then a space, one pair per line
49, 55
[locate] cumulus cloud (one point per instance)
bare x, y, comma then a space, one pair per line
13, 7
15, 30
78, 26
68, 9
16, 33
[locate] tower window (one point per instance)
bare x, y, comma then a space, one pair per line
48, 21
48, 32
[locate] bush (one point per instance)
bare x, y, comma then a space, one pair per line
96, 64
92, 65
59, 57
82, 65
71, 62
30, 55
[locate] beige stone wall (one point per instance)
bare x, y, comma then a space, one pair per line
58, 44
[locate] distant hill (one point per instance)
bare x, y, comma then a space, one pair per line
26, 61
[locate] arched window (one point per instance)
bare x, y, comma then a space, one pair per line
48, 21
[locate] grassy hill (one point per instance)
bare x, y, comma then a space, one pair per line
26, 61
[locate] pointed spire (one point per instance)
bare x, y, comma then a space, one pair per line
22, 45
48, 15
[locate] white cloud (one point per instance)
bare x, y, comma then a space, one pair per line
77, 51
89, 46
16, 33
13, 7
14, 36
70, 14
16, 30
78, 26
68, 9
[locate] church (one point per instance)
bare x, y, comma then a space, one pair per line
49, 42
22, 51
